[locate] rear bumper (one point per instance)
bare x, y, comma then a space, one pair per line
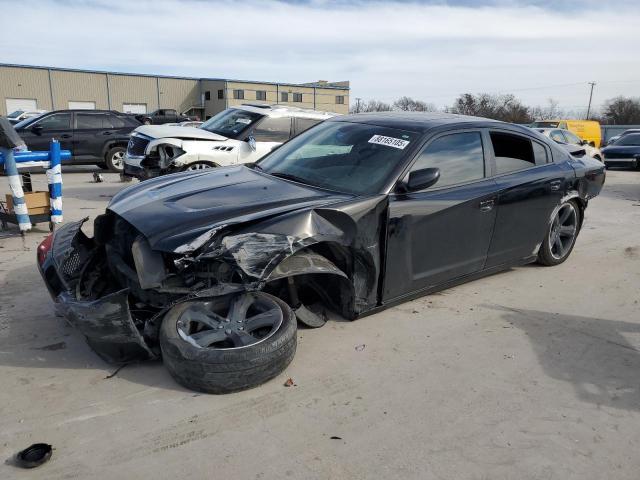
106, 322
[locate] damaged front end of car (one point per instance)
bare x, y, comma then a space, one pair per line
116, 287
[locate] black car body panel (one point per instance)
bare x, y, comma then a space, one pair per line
204, 234
622, 155
87, 134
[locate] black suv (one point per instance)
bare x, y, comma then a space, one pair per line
162, 116
93, 136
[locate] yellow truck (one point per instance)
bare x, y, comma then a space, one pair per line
588, 130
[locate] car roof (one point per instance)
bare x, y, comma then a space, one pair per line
276, 110
421, 121
86, 110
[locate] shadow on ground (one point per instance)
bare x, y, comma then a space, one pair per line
599, 357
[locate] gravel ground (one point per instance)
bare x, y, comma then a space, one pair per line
528, 374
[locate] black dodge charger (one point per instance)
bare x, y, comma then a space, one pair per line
213, 270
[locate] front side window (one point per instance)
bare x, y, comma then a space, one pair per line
57, 121
512, 152
343, 156
273, 130
573, 139
238, 94
459, 157
231, 123
631, 139
557, 136
303, 124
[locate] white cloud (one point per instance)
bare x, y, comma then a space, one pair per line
386, 49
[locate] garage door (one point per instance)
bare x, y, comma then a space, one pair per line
134, 108
26, 104
82, 105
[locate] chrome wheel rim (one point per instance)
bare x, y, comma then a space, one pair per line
563, 231
248, 320
197, 166
117, 160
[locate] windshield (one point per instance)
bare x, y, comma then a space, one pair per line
347, 157
231, 123
15, 114
631, 139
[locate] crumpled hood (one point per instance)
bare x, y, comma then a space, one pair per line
172, 131
174, 210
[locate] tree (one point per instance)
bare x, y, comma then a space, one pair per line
622, 111
408, 104
498, 107
370, 106
551, 111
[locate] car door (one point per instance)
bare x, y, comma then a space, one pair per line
89, 135
530, 185
39, 134
268, 134
443, 232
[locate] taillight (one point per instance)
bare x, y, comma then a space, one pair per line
44, 248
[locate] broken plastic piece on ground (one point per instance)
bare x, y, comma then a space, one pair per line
360, 347
311, 318
289, 383
97, 177
34, 456
334, 437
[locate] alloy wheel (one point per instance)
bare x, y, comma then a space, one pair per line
197, 166
563, 231
249, 319
117, 160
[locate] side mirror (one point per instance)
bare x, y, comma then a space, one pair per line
37, 129
421, 179
252, 142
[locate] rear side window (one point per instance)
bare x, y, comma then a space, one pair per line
513, 152
459, 157
89, 121
631, 139
112, 121
273, 130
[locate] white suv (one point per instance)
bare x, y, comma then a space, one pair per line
241, 134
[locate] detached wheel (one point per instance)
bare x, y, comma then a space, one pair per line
561, 235
222, 346
115, 159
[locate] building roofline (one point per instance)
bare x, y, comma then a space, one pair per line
174, 77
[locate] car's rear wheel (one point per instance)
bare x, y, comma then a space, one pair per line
115, 159
197, 166
220, 345
561, 234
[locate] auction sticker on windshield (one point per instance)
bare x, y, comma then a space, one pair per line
389, 141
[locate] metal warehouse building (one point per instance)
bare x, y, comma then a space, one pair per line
25, 87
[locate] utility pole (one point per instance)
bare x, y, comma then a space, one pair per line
590, 97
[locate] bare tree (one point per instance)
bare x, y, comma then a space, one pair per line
498, 107
410, 105
370, 106
548, 112
621, 111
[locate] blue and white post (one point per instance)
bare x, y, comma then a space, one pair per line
54, 179
15, 185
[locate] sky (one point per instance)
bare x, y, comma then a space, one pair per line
429, 50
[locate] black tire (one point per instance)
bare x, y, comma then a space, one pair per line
114, 160
546, 255
225, 370
103, 166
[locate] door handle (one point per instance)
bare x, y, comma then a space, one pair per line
66, 135
106, 133
555, 185
487, 205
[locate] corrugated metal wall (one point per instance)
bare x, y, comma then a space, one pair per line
24, 83
78, 87
133, 89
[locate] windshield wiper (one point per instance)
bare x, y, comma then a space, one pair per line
288, 176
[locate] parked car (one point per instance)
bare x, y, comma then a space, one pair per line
588, 130
626, 132
20, 115
162, 116
93, 136
565, 137
624, 152
211, 269
237, 135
